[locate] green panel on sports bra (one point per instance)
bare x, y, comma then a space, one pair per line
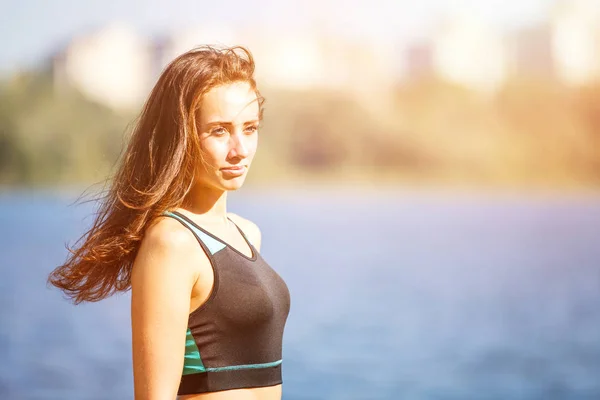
192, 363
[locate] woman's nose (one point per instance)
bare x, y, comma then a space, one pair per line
239, 147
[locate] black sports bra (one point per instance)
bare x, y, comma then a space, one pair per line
234, 339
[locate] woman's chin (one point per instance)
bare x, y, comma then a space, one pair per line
234, 183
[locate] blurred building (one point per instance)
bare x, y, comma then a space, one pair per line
419, 61
321, 61
289, 60
175, 43
565, 47
283, 60
576, 40
532, 53
116, 67
111, 66
462, 50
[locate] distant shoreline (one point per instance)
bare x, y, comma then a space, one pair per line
348, 186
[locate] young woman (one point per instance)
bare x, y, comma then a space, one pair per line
207, 311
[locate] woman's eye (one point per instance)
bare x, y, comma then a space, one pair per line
252, 129
219, 131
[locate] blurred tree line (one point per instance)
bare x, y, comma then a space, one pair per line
530, 132
54, 137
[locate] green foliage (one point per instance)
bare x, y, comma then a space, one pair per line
531, 131
49, 136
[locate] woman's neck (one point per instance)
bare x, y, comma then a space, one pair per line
207, 203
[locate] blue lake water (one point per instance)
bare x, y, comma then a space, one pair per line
395, 295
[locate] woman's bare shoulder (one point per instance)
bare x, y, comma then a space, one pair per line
166, 244
167, 231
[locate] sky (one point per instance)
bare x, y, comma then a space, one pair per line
31, 30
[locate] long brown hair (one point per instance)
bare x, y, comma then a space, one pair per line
154, 174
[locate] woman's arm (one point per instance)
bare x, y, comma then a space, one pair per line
161, 285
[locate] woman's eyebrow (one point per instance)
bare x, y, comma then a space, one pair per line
219, 123
254, 121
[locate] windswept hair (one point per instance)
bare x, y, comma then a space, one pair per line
154, 174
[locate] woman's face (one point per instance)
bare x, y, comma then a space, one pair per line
228, 129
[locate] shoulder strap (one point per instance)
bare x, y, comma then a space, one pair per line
240, 230
210, 244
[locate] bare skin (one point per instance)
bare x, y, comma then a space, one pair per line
172, 276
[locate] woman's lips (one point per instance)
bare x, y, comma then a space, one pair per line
234, 170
